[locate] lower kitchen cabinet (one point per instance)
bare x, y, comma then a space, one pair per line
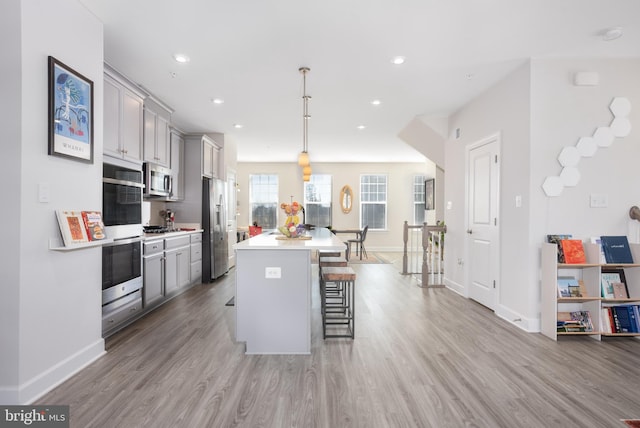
168, 266
153, 272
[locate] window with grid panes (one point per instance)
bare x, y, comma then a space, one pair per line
263, 200
317, 200
373, 201
418, 199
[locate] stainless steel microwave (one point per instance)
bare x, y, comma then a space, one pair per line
157, 180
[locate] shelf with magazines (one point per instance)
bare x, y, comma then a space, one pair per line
581, 299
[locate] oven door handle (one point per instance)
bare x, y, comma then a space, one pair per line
122, 241
122, 182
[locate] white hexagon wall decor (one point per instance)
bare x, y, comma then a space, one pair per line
621, 126
620, 107
570, 176
552, 186
587, 147
569, 156
603, 136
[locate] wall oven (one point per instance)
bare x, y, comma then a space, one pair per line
122, 189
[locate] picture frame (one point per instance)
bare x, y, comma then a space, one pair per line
70, 113
430, 194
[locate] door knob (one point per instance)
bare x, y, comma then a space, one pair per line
469, 231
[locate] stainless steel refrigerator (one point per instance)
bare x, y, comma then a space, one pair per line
215, 248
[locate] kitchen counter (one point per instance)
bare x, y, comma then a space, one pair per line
273, 291
152, 236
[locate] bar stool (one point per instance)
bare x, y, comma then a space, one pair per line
338, 310
333, 289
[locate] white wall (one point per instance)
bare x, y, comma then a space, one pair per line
399, 204
59, 294
10, 172
502, 109
538, 111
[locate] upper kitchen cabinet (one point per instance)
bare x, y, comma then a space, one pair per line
123, 117
177, 169
157, 132
211, 158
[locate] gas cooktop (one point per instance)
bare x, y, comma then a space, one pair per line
155, 229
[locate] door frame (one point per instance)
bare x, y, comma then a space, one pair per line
497, 137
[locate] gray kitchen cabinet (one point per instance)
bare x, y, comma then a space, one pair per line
177, 263
153, 272
157, 140
196, 258
210, 158
177, 169
123, 118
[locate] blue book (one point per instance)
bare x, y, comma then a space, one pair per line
623, 319
633, 322
616, 249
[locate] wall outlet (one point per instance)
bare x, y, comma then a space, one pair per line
272, 272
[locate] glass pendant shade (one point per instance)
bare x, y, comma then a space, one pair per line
306, 170
303, 159
306, 177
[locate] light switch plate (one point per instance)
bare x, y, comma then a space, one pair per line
599, 200
43, 192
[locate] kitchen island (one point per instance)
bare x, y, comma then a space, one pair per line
273, 291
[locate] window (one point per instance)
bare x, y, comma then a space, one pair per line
373, 201
317, 200
263, 200
418, 199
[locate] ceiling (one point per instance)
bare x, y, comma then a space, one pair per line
248, 52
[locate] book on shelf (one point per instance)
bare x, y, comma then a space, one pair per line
623, 320
555, 239
72, 227
596, 240
608, 277
620, 290
565, 284
576, 321
605, 321
573, 251
583, 289
93, 224
616, 249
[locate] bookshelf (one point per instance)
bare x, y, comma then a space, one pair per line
551, 304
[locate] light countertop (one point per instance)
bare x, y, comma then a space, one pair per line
322, 239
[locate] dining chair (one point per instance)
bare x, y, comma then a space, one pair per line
359, 243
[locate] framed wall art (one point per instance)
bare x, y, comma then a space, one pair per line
70, 113
429, 194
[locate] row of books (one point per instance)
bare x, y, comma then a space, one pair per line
613, 249
620, 319
613, 285
79, 227
576, 321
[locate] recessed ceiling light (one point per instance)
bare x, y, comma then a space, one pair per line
361, 127
397, 60
181, 58
469, 76
217, 100
611, 34
376, 102
237, 125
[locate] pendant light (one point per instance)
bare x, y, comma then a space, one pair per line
303, 158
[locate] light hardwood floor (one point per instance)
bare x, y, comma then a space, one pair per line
421, 358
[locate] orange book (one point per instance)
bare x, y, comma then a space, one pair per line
573, 251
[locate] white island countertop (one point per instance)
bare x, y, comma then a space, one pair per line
321, 239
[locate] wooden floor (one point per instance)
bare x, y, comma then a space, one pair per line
421, 358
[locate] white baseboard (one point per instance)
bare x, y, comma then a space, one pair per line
35, 388
530, 325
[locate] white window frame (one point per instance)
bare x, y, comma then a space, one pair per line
264, 199
307, 203
363, 199
418, 197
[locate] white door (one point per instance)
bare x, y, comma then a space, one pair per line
482, 232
